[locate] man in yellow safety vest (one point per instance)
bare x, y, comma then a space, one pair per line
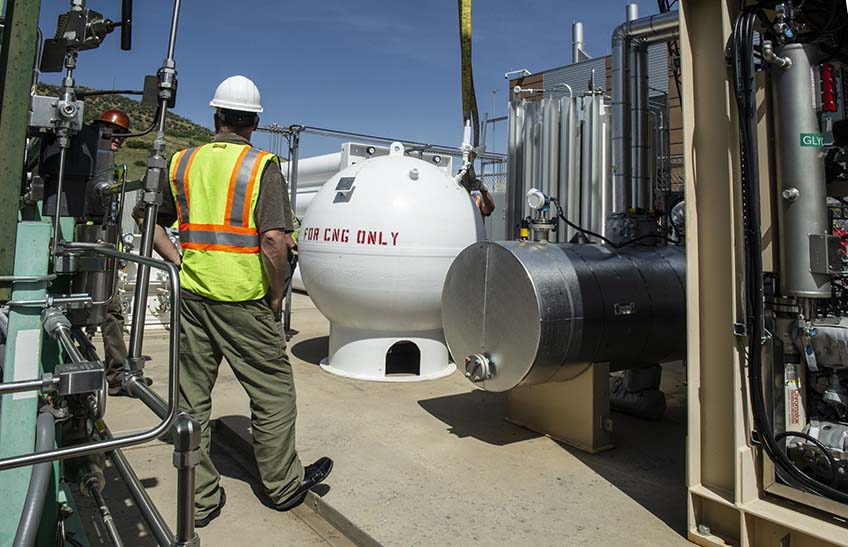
235, 221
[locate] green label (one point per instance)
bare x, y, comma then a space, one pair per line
812, 139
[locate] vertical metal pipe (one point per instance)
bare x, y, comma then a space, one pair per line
152, 209
294, 153
639, 133
586, 164
60, 181
606, 205
572, 197
629, 106
596, 167
802, 207
531, 141
564, 171
620, 140
186, 458
513, 174
172, 39
550, 145
632, 12
576, 41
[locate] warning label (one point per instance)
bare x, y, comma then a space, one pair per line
355, 237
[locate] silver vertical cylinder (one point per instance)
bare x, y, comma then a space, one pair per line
576, 41
550, 146
570, 177
632, 12
639, 133
621, 120
606, 200
802, 202
515, 169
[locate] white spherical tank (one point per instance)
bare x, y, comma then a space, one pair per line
375, 246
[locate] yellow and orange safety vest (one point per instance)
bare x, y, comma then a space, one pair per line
215, 188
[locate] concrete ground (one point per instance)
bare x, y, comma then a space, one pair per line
430, 463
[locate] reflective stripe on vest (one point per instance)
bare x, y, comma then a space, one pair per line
210, 237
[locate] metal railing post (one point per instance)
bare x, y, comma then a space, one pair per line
186, 457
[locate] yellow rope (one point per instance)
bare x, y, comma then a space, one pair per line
469, 98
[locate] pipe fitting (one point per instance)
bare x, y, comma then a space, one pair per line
791, 194
54, 322
478, 368
772, 58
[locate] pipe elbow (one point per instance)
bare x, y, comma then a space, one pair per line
620, 34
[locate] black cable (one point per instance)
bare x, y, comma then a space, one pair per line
834, 469
586, 232
146, 131
580, 229
83, 93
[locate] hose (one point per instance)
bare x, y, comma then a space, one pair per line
834, 469
586, 232
469, 97
39, 482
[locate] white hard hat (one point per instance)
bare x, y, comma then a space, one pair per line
237, 93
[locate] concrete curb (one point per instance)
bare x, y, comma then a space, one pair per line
236, 440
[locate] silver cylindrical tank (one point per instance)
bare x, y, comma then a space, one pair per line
802, 203
95, 274
531, 309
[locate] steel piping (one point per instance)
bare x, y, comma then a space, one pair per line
106, 517
631, 168
173, 366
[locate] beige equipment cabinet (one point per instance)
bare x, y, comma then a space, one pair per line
731, 499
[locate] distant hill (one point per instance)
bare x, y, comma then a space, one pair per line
179, 132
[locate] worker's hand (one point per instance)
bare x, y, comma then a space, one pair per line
276, 304
290, 243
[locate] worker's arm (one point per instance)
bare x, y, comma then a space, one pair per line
167, 215
274, 222
165, 247
274, 246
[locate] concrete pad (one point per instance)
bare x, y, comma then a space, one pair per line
434, 463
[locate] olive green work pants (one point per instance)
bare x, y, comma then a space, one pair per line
247, 335
114, 347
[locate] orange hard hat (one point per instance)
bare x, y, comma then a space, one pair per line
116, 117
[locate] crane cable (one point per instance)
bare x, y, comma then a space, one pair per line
469, 98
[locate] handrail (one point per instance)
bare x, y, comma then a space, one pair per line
173, 371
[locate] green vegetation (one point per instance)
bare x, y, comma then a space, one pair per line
179, 132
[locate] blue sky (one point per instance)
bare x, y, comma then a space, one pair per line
369, 66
